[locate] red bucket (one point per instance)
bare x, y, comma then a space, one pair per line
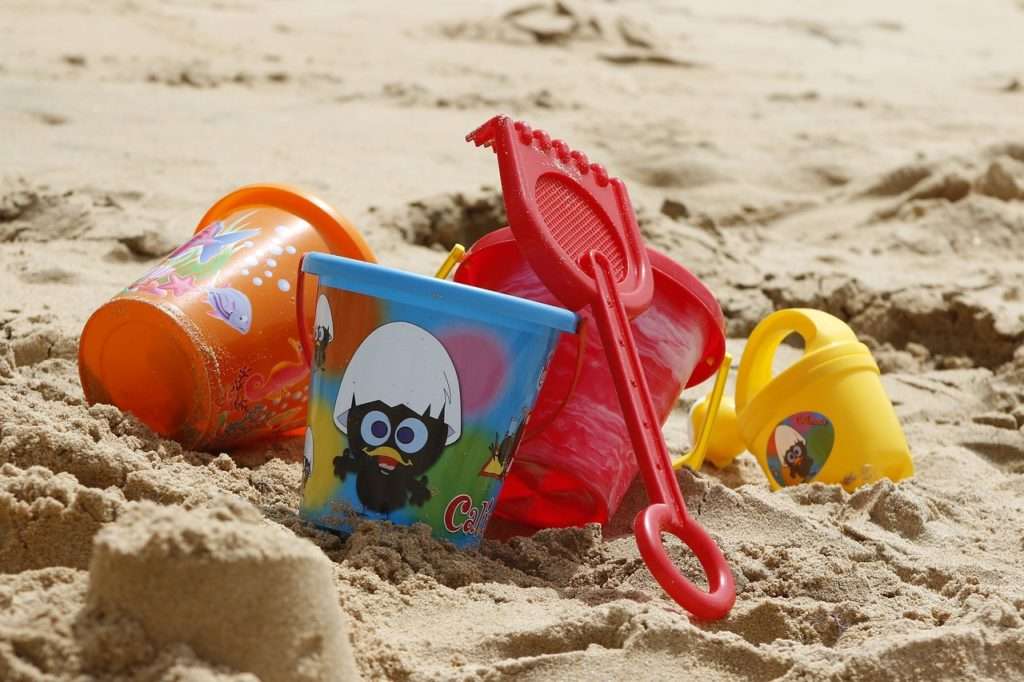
578, 467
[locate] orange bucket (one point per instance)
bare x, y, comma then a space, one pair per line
203, 347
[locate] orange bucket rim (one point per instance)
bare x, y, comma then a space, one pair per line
335, 229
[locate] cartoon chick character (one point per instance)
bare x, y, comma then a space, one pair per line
791, 448
399, 406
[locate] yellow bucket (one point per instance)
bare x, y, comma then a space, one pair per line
825, 418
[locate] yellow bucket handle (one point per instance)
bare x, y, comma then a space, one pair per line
818, 329
455, 256
695, 457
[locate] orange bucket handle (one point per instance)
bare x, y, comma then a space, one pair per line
455, 256
305, 338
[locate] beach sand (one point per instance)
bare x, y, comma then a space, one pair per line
866, 159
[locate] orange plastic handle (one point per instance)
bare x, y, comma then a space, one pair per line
667, 513
455, 257
305, 337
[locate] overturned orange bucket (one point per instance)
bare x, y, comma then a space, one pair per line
203, 347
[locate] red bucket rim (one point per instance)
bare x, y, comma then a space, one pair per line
675, 272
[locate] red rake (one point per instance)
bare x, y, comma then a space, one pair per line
576, 227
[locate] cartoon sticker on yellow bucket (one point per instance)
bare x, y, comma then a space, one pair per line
799, 447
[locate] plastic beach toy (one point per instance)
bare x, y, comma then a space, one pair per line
714, 431
575, 225
824, 418
576, 461
203, 347
422, 396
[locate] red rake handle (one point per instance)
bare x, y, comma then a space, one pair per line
667, 513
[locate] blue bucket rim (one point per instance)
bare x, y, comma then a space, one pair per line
453, 298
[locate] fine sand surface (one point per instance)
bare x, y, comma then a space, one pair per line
865, 158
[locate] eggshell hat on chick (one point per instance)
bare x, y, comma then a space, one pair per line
307, 449
323, 316
402, 364
785, 438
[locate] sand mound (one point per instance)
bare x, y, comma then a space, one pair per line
97, 445
235, 589
37, 505
44, 636
37, 609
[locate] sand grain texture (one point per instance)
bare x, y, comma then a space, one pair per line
866, 159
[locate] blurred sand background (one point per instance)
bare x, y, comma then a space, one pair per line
864, 158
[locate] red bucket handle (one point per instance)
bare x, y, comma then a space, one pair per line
581, 346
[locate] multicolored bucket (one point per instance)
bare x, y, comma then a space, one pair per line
420, 392
203, 348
